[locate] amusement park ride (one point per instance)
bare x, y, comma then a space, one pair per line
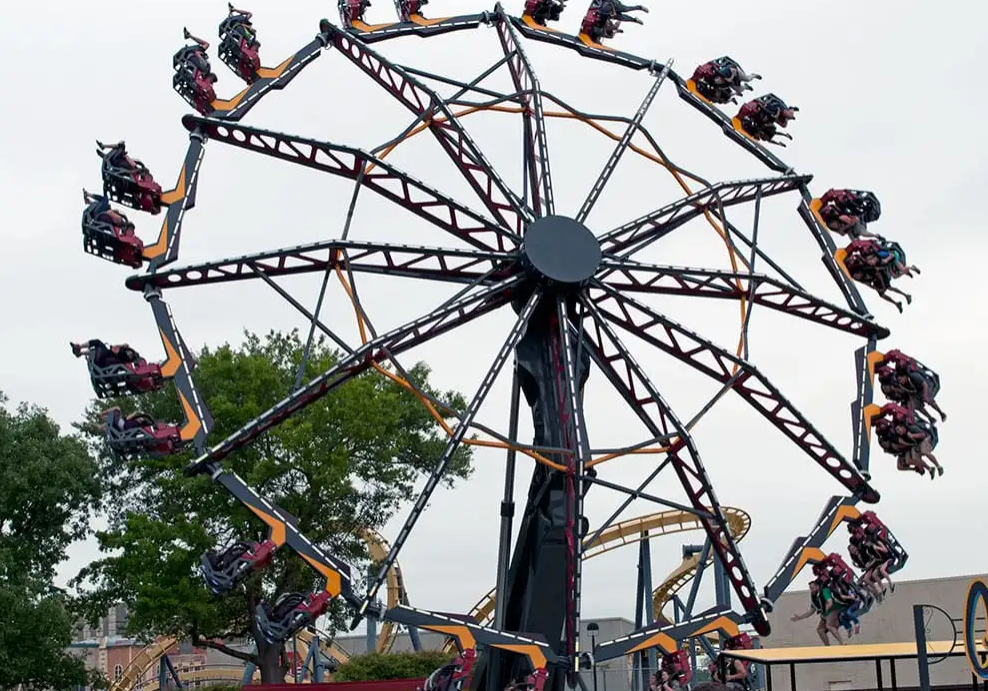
575, 293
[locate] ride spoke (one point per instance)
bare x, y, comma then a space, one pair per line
409, 261
721, 365
384, 179
536, 142
638, 234
644, 398
394, 342
507, 349
635, 277
605, 175
424, 102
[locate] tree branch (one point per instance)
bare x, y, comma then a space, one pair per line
200, 642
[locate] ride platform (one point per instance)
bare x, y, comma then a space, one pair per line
877, 652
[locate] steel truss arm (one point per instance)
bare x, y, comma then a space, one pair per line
536, 143
667, 636
442, 465
605, 175
409, 261
447, 317
638, 234
178, 366
643, 397
743, 377
865, 359
628, 276
809, 549
384, 179
270, 79
506, 207
469, 634
822, 235
728, 125
179, 200
283, 530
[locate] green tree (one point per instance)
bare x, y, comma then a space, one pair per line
409, 665
48, 486
344, 463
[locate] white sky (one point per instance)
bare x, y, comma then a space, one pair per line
886, 104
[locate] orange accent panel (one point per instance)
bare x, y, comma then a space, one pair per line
533, 652
160, 245
277, 527
691, 87
193, 424
334, 584
839, 256
809, 554
367, 28
274, 72
531, 23
174, 195
422, 21
719, 624
870, 411
589, 41
662, 640
220, 104
736, 124
874, 357
843, 513
174, 360
458, 631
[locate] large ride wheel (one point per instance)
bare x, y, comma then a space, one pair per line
577, 295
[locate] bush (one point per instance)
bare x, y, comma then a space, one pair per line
375, 666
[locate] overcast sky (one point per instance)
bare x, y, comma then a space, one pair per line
886, 103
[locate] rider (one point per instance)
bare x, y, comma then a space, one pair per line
842, 213
197, 57
906, 383
103, 212
725, 77
240, 22
103, 355
543, 11
870, 263
760, 117
116, 156
821, 605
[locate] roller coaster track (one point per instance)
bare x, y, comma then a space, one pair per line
632, 532
377, 548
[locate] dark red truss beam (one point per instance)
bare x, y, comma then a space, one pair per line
772, 293
428, 105
383, 178
717, 363
536, 143
431, 263
643, 231
423, 329
630, 380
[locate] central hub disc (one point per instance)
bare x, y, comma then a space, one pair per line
561, 251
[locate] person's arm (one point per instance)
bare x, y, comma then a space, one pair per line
739, 671
800, 617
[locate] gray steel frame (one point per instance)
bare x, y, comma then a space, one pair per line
555, 337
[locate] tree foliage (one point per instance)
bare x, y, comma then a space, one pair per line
48, 486
346, 462
405, 665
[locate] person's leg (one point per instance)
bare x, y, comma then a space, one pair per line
821, 631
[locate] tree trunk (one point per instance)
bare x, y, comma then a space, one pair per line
271, 661
271, 658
